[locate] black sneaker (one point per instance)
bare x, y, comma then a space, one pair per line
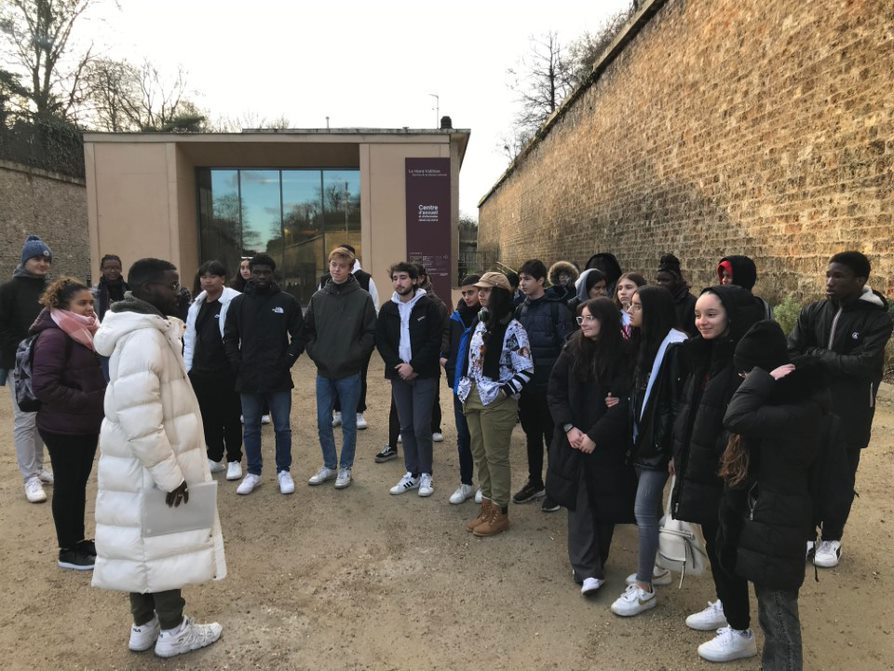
75, 560
529, 492
86, 547
387, 454
549, 506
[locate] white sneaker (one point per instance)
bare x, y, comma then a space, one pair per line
660, 576
34, 490
248, 484
216, 466
729, 644
437, 437
709, 619
400, 438
344, 478
144, 637
321, 476
234, 470
336, 419
828, 554
406, 483
591, 586
361, 421
426, 486
286, 484
811, 549
188, 636
634, 601
46, 477
479, 497
265, 419
462, 494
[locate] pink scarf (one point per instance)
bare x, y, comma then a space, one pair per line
78, 327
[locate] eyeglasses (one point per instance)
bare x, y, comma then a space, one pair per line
585, 318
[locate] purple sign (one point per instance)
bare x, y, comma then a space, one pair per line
428, 219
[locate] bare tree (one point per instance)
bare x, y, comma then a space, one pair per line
584, 51
36, 36
541, 81
251, 119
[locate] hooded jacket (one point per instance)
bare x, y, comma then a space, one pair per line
567, 292
151, 437
744, 274
189, 338
19, 307
425, 329
340, 328
699, 435
849, 342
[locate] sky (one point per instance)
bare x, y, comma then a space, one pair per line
362, 64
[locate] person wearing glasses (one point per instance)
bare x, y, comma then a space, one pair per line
151, 439
588, 472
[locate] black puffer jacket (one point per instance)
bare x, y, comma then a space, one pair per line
611, 484
426, 329
19, 308
849, 342
770, 516
262, 338
548, 323
699, 436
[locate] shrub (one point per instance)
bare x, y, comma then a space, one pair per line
786, 313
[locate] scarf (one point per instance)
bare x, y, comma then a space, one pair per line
78, 327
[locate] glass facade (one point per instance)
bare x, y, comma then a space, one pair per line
295, 216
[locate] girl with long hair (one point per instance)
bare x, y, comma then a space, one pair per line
68, 380
588, 472
498, 364
658, 374
625, 287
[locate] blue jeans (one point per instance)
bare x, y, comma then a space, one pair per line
463, 442
649, 489
347, 391
280, 404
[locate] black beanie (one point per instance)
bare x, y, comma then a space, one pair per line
763, 346
670, 264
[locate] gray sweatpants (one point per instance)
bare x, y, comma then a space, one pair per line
29, 446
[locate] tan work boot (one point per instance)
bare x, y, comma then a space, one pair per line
483, 515
498, 522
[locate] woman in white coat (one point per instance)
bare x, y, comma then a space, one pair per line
151, 438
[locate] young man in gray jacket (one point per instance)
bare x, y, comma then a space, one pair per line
339, 334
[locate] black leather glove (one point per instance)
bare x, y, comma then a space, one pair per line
178, 496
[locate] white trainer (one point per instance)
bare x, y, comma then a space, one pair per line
634, 601
188, 636
660, 576
479, 497
709, 619
248, 484
216, 466
144, 637
462, 494
321, 476
591, 586
234, 470
336, 419
266, 419
729, 644
34, 490
426, 486
286, 484
406, 483
437, 437
361, 421
344, 478
46, 477
811, 549
828, 554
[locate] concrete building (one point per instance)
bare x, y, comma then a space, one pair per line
293, 194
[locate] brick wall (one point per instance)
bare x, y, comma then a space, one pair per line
49, 205
722, 127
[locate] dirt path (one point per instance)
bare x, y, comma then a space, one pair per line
358, 579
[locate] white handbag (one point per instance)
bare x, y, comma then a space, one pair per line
681, 547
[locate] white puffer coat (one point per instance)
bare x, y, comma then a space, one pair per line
151, 437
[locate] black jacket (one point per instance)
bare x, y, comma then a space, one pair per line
654, 439
849, 342
426, 328
548, 323
768, 518
461, 321
262, 339
611, 485
684, 305
19, 308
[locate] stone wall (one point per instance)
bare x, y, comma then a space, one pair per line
720, 127
47, 204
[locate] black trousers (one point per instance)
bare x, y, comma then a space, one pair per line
731, 589
394, 422
221, 407
167, 605
72, 459
836, 516
537, 423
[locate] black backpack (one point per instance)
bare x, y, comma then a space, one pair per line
25, 397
